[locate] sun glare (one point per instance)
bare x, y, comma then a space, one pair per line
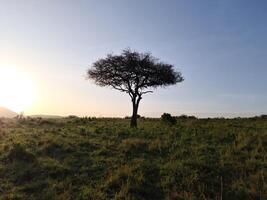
16, 89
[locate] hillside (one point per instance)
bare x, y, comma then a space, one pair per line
4, 112
75, 158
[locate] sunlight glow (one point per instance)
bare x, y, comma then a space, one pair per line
16, 89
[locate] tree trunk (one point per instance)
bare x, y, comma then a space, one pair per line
135, 112
134, 115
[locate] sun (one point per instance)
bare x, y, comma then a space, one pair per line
16, 89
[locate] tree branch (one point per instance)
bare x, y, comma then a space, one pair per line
146, 92
119, 88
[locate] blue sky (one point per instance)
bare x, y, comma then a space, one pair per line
220, 47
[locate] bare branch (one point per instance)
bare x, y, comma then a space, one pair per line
119, 88
145, 92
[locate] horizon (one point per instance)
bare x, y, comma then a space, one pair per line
220, 48
154, 115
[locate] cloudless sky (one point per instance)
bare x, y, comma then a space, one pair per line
220, 46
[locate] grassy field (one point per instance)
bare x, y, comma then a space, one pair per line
87, 158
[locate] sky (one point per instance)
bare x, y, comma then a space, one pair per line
220, 46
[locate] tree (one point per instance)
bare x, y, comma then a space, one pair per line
133, 72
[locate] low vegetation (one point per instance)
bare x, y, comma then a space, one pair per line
89, 158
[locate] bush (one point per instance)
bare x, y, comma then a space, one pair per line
186, 117
263, 116
19, 153
167, 118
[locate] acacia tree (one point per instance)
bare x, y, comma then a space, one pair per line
134, 73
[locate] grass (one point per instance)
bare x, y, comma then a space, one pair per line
88, 158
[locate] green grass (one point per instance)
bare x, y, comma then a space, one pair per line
87, 158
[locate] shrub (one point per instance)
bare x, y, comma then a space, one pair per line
263, 116
19, 153
186, 117
167, 118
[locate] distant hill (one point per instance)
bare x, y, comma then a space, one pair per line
4, 112
45, 116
